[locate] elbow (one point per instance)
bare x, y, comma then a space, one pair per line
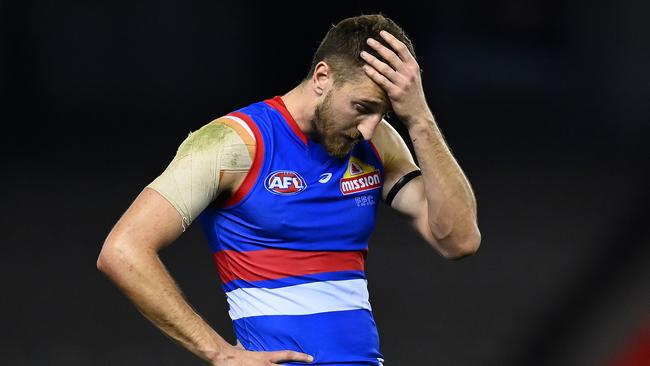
106, 259
103, 263
464, 246
111, 258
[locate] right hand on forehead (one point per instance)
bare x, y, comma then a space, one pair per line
239, 357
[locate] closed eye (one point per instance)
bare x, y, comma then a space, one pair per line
361, 108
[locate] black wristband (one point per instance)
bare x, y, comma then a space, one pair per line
401, 183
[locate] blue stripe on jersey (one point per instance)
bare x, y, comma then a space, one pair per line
290, 281
315, 246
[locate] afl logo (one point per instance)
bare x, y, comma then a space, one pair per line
284, 182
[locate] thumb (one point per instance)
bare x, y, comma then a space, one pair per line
281, 356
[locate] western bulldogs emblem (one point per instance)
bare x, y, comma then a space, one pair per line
284, 182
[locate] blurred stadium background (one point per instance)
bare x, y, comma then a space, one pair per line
545, 104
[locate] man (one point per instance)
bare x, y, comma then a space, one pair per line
287, 190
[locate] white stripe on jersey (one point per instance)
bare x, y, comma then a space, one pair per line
307, 298
243, 124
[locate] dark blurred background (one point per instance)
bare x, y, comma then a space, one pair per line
545, 104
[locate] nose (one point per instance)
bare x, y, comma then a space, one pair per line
368, 125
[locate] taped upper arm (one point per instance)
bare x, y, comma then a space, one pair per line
192, 180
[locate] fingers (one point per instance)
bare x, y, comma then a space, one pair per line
399, 76
380, 66
388, 55
283, 356
399, 47
403, 62
379, 78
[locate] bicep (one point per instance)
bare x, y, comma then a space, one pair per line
150, 223
398, 162
410, 199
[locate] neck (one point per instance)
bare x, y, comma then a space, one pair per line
301, 104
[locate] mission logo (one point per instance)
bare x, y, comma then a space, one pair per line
284, 182
360, 177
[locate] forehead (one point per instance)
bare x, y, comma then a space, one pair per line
366, 89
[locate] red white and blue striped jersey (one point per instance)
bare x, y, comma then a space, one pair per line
290, 245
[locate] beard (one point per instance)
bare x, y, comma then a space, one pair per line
336, 143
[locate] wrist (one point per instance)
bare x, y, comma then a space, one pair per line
220, 356
420, 123
218, 352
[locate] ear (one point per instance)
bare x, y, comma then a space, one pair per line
322, 79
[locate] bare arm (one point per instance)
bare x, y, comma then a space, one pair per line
441, 202
415, 200
129, 256
450, 209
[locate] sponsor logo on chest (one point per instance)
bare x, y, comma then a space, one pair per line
360, 177
285, 182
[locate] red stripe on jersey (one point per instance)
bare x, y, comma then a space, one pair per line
269, 264
254, 171
278, 105
376, 151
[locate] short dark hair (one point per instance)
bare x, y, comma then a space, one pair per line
343, 43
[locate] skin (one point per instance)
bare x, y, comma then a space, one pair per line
440, 203
339, 138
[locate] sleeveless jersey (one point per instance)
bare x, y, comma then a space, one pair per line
290, 245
